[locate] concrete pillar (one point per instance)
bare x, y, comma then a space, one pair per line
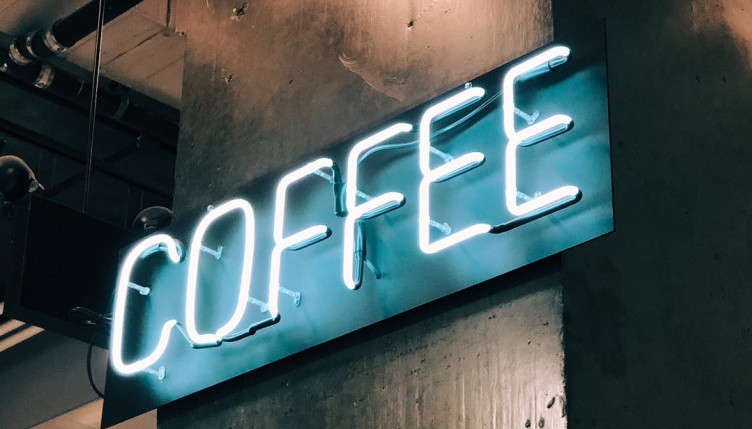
657, 315
266, 85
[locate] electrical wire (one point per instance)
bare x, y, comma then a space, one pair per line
101, 322
88, 367
93, 104
436, 134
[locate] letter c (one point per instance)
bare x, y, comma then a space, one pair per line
155, 243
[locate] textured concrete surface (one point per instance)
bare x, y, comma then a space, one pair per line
265, 89
658, 315
489, 357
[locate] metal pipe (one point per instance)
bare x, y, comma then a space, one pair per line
71, 29
21, 59
154, 128
65, 32
101, 6
64, 151
114, 100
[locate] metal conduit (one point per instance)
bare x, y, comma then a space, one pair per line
22, 60
65, 33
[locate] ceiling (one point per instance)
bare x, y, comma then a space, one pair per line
141, 51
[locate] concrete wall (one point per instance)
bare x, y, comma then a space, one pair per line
487, 357
266, 89
658, 315
658, 325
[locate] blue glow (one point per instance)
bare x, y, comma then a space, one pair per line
444, 172
298, 240
245, 278
409, 278
159, 242
536, 133
376, 206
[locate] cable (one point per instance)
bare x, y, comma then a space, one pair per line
435, 134
88, 317
88, 366
93, 105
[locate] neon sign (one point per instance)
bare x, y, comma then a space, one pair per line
445, 172
353, 245
533, 134
485, 179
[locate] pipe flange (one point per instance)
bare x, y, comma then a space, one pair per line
16, 55
52, 44
45, 77
28, 45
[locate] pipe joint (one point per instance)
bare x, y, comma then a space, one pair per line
52, 43
16, 55
45, 77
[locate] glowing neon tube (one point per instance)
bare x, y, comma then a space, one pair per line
245, 277
444, 172
146, 247
298, 240
536, 133
376, 206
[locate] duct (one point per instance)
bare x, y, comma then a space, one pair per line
114, 100
60, 149
23, 57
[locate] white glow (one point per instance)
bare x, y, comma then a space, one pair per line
161, 242
298, 240
532, 134
376, 206
245, 277
437, 111
444, 172
561, 193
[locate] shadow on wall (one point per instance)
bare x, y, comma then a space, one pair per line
658, 315
488, 356
265, 91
